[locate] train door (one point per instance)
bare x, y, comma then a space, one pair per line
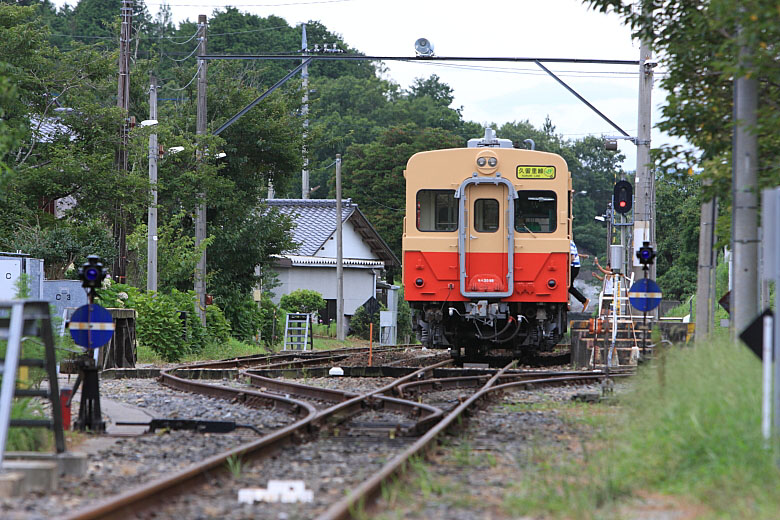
486, 242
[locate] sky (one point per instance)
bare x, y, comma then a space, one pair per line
488, 92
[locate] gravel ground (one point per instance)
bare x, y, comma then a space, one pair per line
469, 476
328, 467
132, 461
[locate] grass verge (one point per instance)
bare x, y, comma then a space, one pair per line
690, 431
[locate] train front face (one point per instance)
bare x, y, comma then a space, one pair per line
486, 249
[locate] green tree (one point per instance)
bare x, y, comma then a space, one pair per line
678, 210
698, 45
373, 175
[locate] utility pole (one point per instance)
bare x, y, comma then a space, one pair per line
644, 209
151, 237
305, 114
744, 235
339, 257
119, 269
705, 285
200, 223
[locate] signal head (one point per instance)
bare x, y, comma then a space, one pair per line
92, 273
646, 255
623, 194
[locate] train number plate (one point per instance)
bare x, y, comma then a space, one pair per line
536, 172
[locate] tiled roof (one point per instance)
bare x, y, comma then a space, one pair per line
49, 128
315, 222
318, 261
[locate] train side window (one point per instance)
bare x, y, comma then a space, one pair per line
437, 210
486, 215
535, 211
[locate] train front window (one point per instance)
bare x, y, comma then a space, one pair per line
486, 215
535, 211
437, 210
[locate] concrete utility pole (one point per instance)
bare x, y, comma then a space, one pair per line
119, 269
151, 237
644, 208
339, 257
705, 285
744, 234
305, 114
200, 223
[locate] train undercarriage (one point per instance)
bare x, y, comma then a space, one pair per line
483, 329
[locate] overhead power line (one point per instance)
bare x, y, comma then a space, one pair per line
285, 4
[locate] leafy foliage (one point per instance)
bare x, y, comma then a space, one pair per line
360, 322
698, 43
302, 300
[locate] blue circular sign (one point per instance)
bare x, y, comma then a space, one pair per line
645, 295
91, 326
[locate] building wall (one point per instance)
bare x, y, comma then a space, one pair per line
358, 284
354, 247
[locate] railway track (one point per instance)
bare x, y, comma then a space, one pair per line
354, 432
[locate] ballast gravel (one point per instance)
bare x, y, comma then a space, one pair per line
132, 461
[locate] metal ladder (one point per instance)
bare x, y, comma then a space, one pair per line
297, 332
618, 310
21, 320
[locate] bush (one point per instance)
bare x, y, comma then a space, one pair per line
302, 300
360, 323
270, 316
244, 316
158, 326
217, 325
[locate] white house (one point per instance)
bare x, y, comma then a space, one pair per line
313, 264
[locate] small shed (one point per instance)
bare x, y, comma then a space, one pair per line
312, 265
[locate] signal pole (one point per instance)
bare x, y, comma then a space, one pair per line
339, 257
200, 223
119, 269
705, 290
644, 212
151, 240
305, 114
744, 235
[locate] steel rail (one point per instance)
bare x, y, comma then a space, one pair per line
425, 414
415, 388
130, 503
370, 488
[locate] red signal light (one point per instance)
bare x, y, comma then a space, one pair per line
622, 204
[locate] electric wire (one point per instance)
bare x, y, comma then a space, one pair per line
87, 36
186, 57
531, 72
187, 85
285, 4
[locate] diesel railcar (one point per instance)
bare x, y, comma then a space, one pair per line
486, 241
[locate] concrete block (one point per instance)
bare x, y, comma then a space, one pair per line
69, 463
38, 475
11, 484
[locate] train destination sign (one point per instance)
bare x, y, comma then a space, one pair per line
645, 295
91, 326
536, 172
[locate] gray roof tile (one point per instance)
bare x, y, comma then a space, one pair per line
315, 220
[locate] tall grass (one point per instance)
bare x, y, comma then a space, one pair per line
690, 429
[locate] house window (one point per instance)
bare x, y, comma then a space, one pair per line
535, 211
437, 210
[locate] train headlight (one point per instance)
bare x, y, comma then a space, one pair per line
551, 283
492, 162
481, 161
419, 282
